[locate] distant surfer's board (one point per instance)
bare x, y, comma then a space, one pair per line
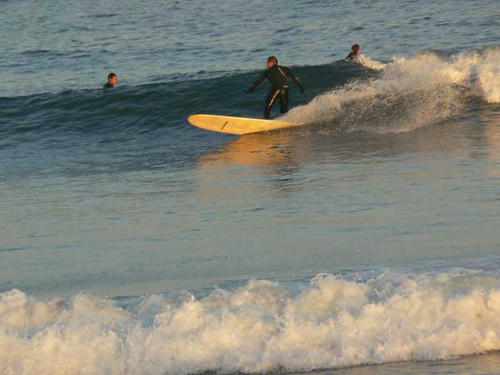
237, 125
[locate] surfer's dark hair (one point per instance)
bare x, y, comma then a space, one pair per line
355, 47
111, 75
272, 58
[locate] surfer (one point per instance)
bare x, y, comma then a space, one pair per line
277, 75
354, 55
112, 81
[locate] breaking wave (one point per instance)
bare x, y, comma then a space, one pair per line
411, 92
262, 326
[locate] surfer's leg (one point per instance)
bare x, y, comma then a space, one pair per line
270, 100
284, 100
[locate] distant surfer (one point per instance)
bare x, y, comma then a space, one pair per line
354, 54
112, 81
277, 75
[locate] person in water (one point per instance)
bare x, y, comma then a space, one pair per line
277, 75
112, 81
354, 55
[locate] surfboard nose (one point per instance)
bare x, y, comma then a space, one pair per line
192, 119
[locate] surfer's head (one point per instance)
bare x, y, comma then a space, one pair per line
112, 79
272, 61
356, 48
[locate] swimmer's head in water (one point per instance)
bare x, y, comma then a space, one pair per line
355, 48
272, 61
112, 79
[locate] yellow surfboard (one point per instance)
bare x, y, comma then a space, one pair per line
237, 125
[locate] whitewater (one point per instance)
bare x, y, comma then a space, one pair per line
262, 326
410, 93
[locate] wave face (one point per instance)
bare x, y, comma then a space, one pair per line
136, 127
140, 115
260, 327
411, 92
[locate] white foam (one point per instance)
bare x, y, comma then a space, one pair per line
262, 326
370, 63
487, 75
411, 92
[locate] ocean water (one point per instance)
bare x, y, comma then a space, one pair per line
366, 242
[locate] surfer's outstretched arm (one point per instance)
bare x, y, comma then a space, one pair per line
295, 78
258, 81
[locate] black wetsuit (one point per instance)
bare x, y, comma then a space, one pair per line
108, 85
353, 56
277, 75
